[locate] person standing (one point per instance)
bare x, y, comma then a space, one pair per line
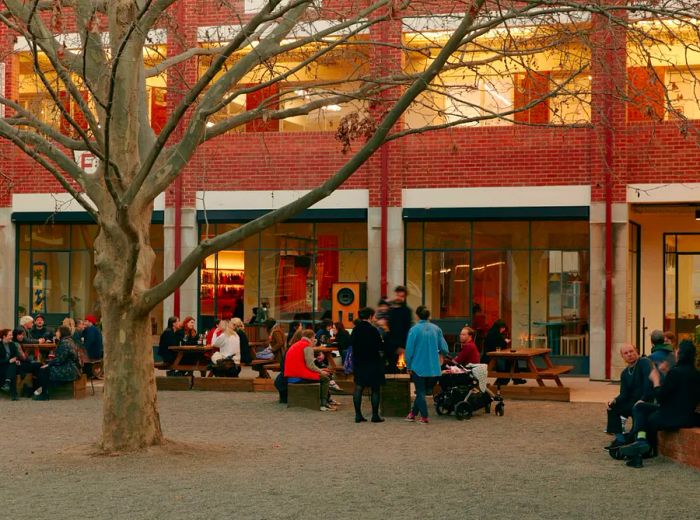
424, 344
400, 321
367, 364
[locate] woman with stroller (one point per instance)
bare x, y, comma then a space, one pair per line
368, 364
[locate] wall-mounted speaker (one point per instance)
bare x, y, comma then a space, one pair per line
348, 298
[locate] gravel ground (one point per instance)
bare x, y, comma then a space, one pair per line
253, 458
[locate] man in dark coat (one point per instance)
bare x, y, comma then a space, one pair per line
169, 338
92, 338
9, 359
677, 399
634, 386
39, 331
367, 364
400, 320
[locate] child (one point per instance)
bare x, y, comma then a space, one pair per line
321, 362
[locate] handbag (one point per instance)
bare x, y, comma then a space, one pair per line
347, 364
265, 353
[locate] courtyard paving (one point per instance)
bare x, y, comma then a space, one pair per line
241, 455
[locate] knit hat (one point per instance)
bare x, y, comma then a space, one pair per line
91, 319
657, 337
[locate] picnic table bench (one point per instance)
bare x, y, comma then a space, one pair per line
529, 355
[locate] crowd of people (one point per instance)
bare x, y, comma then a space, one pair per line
659, 392
73, 348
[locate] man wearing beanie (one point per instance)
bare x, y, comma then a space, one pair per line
92, 338
661, 352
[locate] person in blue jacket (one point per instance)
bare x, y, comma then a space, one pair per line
424, 345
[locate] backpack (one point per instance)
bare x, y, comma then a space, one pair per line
347, 364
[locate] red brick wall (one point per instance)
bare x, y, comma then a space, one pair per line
682, 446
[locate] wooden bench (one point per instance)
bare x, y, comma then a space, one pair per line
304, 395
681, 445
161, 365
222, 384
69, 390
174, 383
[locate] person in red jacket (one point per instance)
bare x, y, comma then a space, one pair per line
469, 353
299, 367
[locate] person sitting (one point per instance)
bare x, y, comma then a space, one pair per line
188, 332
64, 367
323, 333
169, 339
342, 338
278, 342
661, 352
228, 343
239, 327
677, 399
634, 386
321, 361
299, 367
92, 338
26, 323
39, 332
9, 361
469, 353
496, 340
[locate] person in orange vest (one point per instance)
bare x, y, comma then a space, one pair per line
299, 367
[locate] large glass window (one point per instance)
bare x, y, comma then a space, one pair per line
286, 271
534, 275
56, 269
682, 284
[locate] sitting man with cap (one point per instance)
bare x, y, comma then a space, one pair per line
299, 367
635, 386
92, 338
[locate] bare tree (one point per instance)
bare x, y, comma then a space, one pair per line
96, 90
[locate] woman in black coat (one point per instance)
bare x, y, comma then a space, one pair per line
367, 364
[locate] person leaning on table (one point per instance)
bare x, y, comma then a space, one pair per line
299, 367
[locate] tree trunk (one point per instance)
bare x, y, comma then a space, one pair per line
130, 418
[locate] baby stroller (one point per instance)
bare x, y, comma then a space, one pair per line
464, 392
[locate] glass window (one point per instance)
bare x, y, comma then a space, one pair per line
51, 236
23, 287
49, 283
447, 235
414, 278
560, 234
447, 284
688, 243
349, 235
25, 236
83, 236
414, 235
82, 292
501, 235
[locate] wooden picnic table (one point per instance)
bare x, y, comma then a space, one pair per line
41, 350
194, 352
528, 355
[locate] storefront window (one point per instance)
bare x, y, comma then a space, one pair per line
682, 284
286, 271
56, 271
533, 275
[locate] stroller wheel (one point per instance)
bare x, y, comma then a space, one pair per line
442, 409
463, 411
500, 409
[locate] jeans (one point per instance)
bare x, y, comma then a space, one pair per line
422, 384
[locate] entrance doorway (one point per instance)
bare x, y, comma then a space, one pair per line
682, 283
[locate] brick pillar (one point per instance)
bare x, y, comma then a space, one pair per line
608, 158
385, 180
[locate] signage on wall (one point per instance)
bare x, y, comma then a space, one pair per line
86, 161
39, 287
